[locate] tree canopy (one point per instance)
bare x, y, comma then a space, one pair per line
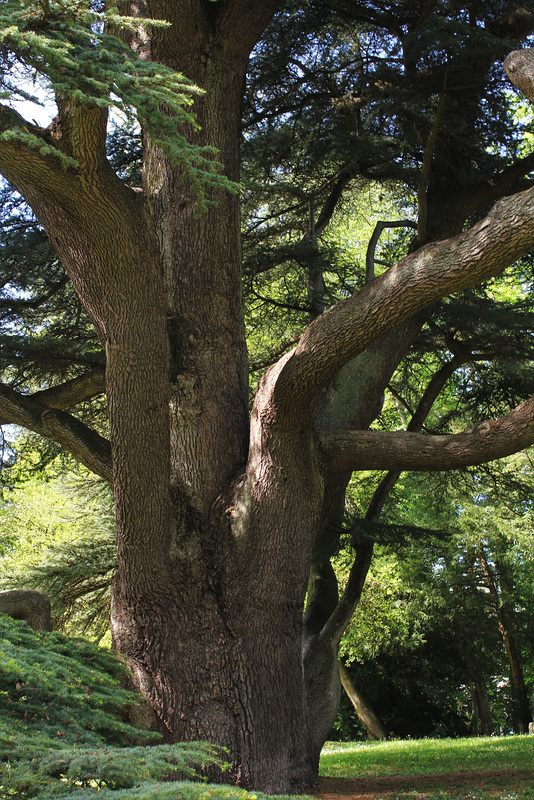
230, 483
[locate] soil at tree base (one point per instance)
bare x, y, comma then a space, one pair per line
372, 788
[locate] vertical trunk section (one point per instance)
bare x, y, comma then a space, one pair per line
523, 713
107, 243
202, 273
138, 402
353, 399
232, 628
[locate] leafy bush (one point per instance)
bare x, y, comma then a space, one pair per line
61, 732
66, 689
79, 771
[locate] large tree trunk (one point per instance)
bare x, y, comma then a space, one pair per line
217, 648
219, 518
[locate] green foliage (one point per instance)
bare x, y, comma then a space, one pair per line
56, 773
63, 734
65, 689
427, 627
57, 534
77, 577
84, 57
62, 710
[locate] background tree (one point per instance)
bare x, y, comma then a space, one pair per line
426, 645
57, 532
220, 517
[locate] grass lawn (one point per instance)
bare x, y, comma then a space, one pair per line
429, 769
426, 756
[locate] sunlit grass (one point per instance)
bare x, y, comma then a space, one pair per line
426, 756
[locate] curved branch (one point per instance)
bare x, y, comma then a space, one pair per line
340, 617
331, 202
403, 450
370, 260
267, 360
519, 67
417, 281
93, 450
16, 304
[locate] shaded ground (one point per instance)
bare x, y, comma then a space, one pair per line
489, 781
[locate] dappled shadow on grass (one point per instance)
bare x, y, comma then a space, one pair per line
508, 784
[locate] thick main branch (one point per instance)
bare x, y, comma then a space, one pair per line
85, 444
403, 450
28, 155
72, 392
417, 281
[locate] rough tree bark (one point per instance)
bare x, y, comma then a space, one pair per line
219, 516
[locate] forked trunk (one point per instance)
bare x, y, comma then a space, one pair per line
219, 517
215, 640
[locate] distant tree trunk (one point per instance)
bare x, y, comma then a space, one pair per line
482, 720
365, 713
485, 719
523, 712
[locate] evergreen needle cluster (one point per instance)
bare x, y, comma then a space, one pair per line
62, 711
84, 56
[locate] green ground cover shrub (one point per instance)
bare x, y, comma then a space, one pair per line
62, 720
63, 734
67, 690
